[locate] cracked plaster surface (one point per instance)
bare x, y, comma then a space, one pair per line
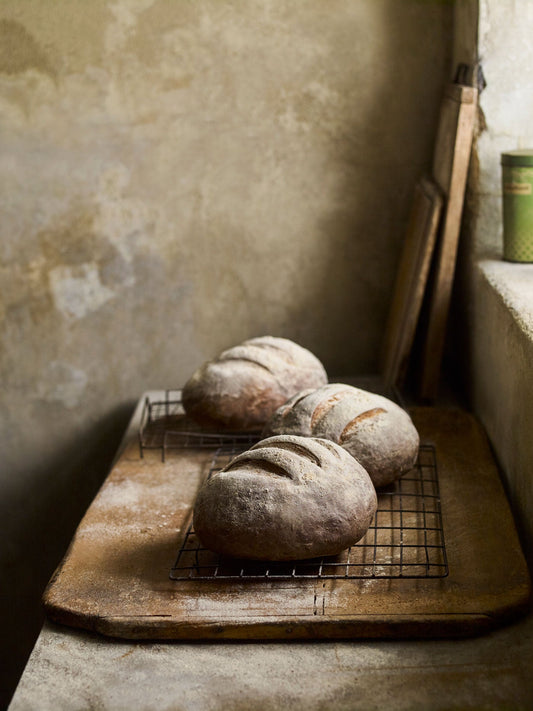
177, 177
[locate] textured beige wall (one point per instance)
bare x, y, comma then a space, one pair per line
496, 351
178, 176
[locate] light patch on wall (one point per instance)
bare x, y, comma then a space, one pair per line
291, 122
124, 221
126, 16
77, 290
322, 93
63, 383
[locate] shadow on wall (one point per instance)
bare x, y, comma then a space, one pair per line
348, 146
378, 157
42, 525
312, 259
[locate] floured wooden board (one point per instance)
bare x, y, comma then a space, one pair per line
115, 578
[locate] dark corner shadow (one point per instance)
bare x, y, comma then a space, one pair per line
39, 525
379, 157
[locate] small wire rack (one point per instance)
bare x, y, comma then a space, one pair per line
405, 540
164, 427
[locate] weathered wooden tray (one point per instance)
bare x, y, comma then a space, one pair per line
115, 578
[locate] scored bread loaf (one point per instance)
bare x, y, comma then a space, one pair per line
286, 498
372, 428
245, 384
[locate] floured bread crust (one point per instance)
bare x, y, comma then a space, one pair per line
286, 498
244, 385
372, 428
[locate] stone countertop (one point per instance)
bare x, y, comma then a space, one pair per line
70, 669
514, 283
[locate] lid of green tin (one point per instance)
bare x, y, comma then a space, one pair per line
523, 156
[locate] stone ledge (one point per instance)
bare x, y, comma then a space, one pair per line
501, 377
514, 284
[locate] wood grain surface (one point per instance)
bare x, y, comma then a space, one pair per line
450, 168
411, 280
115, 579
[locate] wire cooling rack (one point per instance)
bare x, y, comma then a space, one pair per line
405, 540
164, 427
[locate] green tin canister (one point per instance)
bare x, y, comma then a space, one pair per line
517, 187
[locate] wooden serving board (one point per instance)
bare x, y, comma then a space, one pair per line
115, 577
411, 281
450, 169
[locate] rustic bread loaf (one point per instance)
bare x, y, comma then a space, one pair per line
244, 385
286, 498
372, 428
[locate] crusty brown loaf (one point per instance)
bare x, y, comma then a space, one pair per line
242, 387
376, 431
286, 498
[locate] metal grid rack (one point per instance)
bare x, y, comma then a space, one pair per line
165, 427
405, 540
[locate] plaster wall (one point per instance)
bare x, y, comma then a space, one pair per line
502, 390
177, 176
495, 298
507, 104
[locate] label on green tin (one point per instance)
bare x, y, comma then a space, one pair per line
517, 188
517, 185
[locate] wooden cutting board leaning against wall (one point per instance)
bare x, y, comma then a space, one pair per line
450, 169
411, 281
431, 240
